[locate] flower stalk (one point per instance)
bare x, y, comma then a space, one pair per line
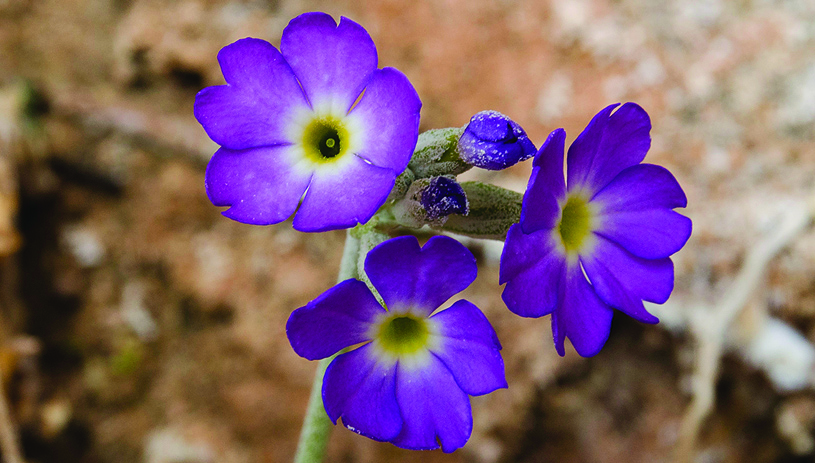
316, 425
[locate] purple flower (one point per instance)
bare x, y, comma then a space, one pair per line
408, 383
493, 141
289, 123
601, 242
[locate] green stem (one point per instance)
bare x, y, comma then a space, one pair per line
367, 242
316, 424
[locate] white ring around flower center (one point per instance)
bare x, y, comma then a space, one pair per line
421, 337
306, 119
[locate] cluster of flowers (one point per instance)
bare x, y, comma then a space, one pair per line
317, 130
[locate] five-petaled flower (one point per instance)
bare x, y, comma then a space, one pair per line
316, 117
601, 242
409, 381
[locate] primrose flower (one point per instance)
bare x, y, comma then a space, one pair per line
409, 381
493, 141
316, 117
601, 242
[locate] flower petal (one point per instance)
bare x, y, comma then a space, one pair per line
433, 408
343, 196
338, 318
389, 113
469, 348
531, 268
608, 145
650, 234
363, 392
641, 187
623, 280
540, 209
260, 184
333, 62
580, 315
420, 279
254, 108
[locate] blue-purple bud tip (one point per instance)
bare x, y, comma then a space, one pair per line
443, 196
493, 141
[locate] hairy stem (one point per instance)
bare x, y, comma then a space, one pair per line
316, 424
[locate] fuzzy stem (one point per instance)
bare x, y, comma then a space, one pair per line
367, 242
316, 424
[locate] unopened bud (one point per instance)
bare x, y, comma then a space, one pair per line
430, 201
493, 141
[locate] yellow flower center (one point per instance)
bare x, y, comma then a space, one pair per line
575, 224
325, 139
403, 334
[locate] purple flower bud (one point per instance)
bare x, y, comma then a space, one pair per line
429, 201
443, 196
493, 141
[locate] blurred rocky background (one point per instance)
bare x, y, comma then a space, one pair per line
138, 325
